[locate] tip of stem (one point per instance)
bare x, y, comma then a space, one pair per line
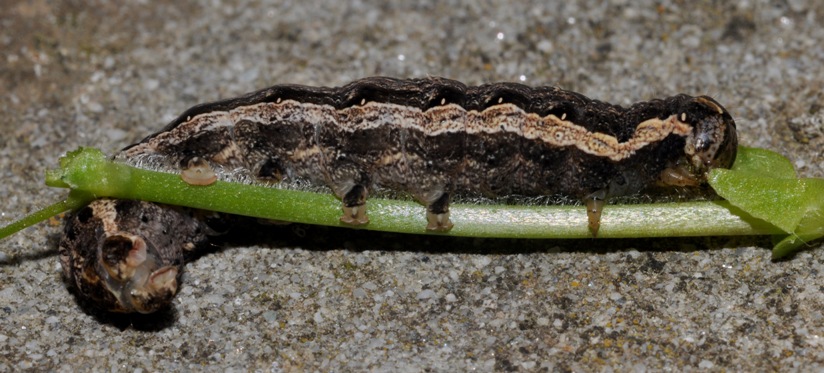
54, 178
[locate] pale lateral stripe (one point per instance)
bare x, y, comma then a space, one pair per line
450, 118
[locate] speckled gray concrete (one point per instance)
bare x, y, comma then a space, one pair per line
107, 75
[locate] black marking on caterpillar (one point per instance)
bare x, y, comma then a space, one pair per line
430, 138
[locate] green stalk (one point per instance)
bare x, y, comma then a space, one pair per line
75, 200
90, 175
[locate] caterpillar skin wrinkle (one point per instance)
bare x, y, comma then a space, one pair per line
431, 139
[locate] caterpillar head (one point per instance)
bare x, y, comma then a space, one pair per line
127, 256
713, 142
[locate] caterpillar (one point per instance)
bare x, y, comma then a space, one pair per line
432, 139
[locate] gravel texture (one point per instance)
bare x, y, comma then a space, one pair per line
103, 74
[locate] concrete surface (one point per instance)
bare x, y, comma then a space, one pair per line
102, 74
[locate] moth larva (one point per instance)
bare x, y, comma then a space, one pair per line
429, 138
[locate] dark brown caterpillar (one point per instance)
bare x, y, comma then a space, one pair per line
431, 138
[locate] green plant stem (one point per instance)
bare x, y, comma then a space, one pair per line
89, 171
776, 204
75, 200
